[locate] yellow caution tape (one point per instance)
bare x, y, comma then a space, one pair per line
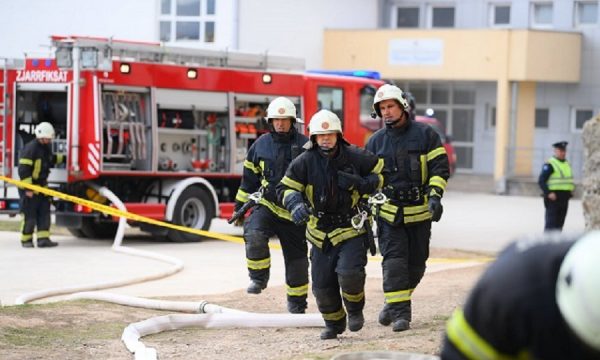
109, 210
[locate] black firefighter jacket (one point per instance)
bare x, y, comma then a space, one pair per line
35, 162
265, 165
315, 177
416, 167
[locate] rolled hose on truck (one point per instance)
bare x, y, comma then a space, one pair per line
209, 316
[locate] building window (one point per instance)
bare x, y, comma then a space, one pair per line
407, 17
500, 15
541, 118
580, 116
492, 116
586, 13
332, 99
541, 14
187, 20
442, 17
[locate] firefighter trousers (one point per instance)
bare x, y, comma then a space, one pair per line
36, 214
405, 250
340, 268
261, 225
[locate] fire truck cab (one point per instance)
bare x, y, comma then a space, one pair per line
165, 129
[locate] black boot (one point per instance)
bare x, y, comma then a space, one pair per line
385, 318
27, 244
401, 325
355, 321
256, 287
296, 308
42, 243
333, 329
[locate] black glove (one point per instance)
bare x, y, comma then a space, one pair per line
347, 181
435, 208
297, 207
238, 205
364, 185
300, 213
240, 220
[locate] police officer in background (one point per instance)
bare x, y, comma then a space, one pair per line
415, 172
322, 188
35, 161
265, 165
539, 300
556, 182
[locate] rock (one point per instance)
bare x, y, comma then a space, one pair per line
591, 173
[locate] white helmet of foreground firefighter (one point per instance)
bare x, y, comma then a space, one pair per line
44, 130
322, 123
281, 116
578, 289
384, 95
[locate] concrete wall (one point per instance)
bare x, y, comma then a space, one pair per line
454, 54
295, 28
27, 24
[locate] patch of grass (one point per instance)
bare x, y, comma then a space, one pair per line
54, 329
10, 225
42, 337
15, 226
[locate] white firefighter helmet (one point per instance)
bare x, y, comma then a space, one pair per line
324, 122
281, 108
578, 289
387, 92
44, 130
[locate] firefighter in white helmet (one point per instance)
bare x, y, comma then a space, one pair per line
415, 171
265, 165
35, 161
322, 188
539, 300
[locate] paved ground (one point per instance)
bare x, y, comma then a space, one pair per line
478, 222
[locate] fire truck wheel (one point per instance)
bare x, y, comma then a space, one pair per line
194, 209
76, 232
93, 229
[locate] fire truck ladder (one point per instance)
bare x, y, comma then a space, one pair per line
156, 52
4, 161
3, 116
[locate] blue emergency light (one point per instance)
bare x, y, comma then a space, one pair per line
356, 73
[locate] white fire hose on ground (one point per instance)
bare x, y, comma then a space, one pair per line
210, 316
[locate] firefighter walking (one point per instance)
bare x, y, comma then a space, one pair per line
265, 165
322, 188
556, 182
540, 299
35, 161
415, 172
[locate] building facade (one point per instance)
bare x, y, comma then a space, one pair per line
507, 78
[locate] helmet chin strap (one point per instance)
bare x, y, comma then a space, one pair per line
328, 151
391, 123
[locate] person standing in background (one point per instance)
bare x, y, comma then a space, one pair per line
556, 182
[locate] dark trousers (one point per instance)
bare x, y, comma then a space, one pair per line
36, 213
556, 212
405, 250
341, 267
261, 225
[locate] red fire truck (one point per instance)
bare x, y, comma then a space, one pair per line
166, 129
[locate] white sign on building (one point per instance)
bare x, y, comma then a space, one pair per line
416, 52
